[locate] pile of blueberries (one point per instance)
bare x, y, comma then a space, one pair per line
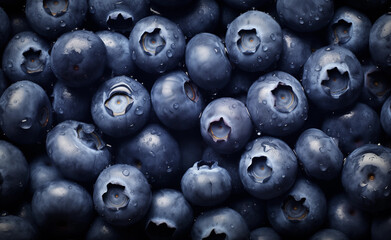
195, 119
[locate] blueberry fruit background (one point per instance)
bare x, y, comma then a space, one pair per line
195, 119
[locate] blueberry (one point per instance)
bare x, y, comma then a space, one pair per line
121, 106
16, 228
329, 234
25, 112
300, 212
122, 195
119, 58
353, 127
78, 58
51, 18
332, 78
226, 125
220, 223
366, 177
170, 216
77, 150
62, 209
319, 155
207, 62
267, 168
264, 233
14, 173
155, 152
385, 116
119, 16
345, 217
305, 16
42, 172
254, 41
157, 44
349, 28
177, 101
206, 184
380, 43
277, 104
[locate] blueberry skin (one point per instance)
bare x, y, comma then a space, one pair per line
295, 52
218, 223
319, 155
122, 195
246, 4
349, 28
78, 58
51, 20
77, 150
42, 172
62, 209
26, 57
347, 218
206, 184
264, 233
14, 173
354, 127
381, 226
380, 43
71, 103
267, 168
121, 106
277, 104
207, 63
119, 16
254, 41
332, 78
197, 17
385, 116
16, 228
329, 234
300, 212
101, 230
157, 44
119, 58
367, 167
226, 125
5, 28
305, 16
377, 87
252, 210
155, 153
25, 112
170, 216
176, 100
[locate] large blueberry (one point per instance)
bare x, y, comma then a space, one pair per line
226, 125
51, 18
319, 154
220, 223
267, 168
157, 44
170, 216
380, 42
62, 209
332, 78
177, 101
119, 16
366, 177
42, 172
254, 41
122, 195
385, 116
277, 104
300, 212
121, 106
25, 112
206, 184
207, 62
156, 153
264, 233
77, 150
78, 58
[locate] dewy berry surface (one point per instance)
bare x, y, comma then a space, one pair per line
195, 119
